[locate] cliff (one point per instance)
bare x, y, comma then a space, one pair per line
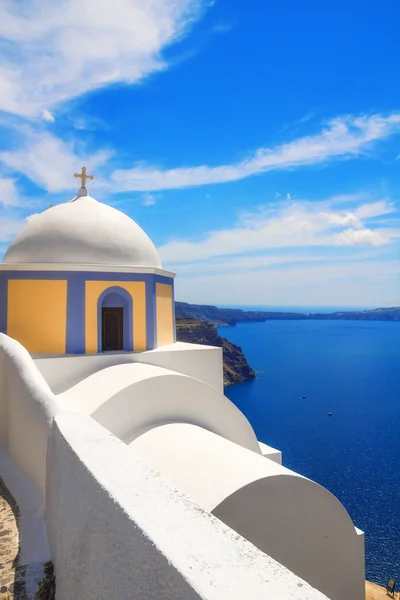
231, 316
236, 367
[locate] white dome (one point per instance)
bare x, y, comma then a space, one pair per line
83, 232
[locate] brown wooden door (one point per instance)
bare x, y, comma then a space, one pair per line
112, 328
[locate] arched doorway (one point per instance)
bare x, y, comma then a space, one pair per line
115, 320
112, 329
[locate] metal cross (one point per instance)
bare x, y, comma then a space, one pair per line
83, 177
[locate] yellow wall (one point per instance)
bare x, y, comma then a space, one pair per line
137, 290
165, 322
37, 314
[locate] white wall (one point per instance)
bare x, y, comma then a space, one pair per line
63, 372
291, 518
27, 408
118, 530
271, 453
201, 362
132, 398
106, 508
33, 544
307, 530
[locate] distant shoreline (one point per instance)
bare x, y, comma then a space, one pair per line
231, 316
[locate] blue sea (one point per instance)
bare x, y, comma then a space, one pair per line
351, 369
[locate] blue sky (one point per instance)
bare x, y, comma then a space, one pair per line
257, 142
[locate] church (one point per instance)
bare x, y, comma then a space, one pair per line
149, 481
83, 278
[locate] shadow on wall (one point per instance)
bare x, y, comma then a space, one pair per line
119, 536
169, 397
27, 410
291, 518
304, 527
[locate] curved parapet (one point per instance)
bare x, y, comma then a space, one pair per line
119, 530
304, 527
27, 409
294, 520
132, 398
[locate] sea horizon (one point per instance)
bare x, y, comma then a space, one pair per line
305, 309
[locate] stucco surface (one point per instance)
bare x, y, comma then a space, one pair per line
289, 517
33, 543
133, 398
271, 453
305, 528
27, 408
83, 231
63, 372
118, 530
201, 362
37, 314
165, 309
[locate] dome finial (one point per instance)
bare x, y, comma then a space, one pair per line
83, 177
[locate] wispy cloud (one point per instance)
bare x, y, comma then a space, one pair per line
343, 137
149, 199
351, 282
48, 116
375, 209
32, 159
298, 224
223, 27
51, 54
278, 259
8, 192
9, 227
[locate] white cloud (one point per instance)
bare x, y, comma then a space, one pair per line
375, 209
295, 224
8, 192
50, 162
352, 198
54, 51
149, 199
9, 227
268, 260
363, 237
48, 116
342, 138
357, 283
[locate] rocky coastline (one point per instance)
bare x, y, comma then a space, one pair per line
196, 323
231, 316
236, 367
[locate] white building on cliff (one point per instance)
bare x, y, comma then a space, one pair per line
150, 482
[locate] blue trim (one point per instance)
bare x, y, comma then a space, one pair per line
87, 276
173, 311
126, 303
75, 343
3, 301
113, 300
151, 315
75, 315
